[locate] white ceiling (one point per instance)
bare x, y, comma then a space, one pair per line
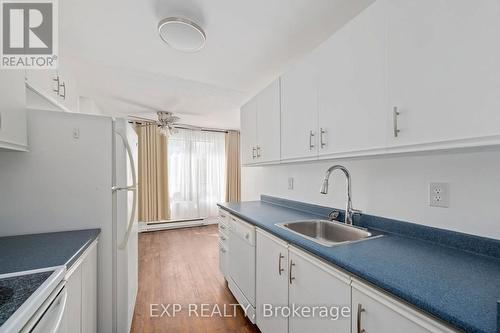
113, 48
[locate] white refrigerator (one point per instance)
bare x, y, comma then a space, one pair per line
80, 173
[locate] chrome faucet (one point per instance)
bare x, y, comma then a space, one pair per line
349, 211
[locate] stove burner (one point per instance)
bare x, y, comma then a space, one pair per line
5, 295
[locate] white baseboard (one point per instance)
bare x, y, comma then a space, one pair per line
166, 225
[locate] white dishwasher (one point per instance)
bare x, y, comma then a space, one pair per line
242, 265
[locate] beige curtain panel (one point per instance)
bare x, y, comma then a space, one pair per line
233, 167
153, 174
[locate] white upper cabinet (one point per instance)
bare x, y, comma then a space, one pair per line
444, 72
59, 87
299, 111
249, 132
268, 124
352, 94
13, 131
260, 127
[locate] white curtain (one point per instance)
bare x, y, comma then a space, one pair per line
196, 173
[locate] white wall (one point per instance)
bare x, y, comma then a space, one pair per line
397, 187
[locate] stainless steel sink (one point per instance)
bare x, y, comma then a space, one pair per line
327, 233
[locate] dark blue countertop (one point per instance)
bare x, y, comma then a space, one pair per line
453, 284
28, 252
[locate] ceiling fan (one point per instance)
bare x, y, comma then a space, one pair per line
166, 121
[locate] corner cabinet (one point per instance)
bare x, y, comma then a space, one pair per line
80, 315
260, 127
13, 124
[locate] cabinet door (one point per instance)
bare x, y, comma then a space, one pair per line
299, 111
249, 132
352, 85
444, 73
13, 132
89, 292
72, 319
315, 284
268, 123
271, 282
377, 313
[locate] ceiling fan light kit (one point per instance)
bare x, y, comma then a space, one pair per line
182, 34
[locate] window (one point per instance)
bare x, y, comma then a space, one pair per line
196, 173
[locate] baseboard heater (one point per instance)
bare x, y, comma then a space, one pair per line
173, 224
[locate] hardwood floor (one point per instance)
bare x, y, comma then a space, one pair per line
182, 267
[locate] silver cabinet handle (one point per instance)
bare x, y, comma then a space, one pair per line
311, 143
321, 132
280, 269
253, 152
358, 319
258, 151
290, 276
395, 114
56, 85
63, 93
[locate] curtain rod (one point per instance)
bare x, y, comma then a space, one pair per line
194, 128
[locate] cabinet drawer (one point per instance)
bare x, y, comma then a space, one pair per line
223, 217
223, 259
224, 238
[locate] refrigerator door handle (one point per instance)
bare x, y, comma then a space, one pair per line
132, 188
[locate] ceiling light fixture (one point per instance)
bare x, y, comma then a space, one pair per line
182, 34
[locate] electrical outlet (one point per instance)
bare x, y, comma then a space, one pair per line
439, 195
290, 183
76, 133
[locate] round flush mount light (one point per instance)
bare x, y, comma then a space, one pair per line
182, 34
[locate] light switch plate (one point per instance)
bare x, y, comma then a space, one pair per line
439, 195
290, 183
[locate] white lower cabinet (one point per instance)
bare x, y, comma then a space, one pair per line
271, 282
292, 279
374, 311
316, 284
287, 277
80, 314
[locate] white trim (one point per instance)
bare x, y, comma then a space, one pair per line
145, 227
431, 324
474, 144
10, 145
80, 259
273, 238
